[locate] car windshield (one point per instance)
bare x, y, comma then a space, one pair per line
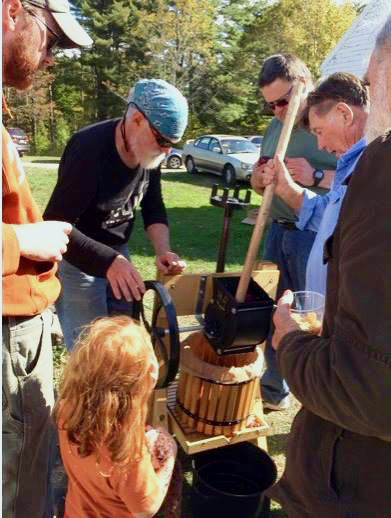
231, 146
16, 131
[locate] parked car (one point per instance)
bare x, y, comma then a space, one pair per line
20, 140
174, 160
227, 155
256, 139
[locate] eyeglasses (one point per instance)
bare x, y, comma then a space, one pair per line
281, 102
56, 38
161, 141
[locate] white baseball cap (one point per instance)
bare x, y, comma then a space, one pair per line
75, 35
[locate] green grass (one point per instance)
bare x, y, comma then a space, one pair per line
195, 227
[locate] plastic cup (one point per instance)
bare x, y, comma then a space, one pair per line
308, 310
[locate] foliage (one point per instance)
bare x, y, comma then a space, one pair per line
212, 50
41, 141
310, 29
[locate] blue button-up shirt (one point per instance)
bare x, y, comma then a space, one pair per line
320, 214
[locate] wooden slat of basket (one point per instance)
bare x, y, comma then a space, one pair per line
195, 401
241, 401
250, 400
230, 413
222, 408
188, 399
214, 399
204, 402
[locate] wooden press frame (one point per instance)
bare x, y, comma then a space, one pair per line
185, 293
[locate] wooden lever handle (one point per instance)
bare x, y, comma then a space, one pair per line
263, 212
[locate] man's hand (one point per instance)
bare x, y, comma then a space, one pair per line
300, 170
282, 319
124, 279
43, 241
276, 172
169, 262
256, 179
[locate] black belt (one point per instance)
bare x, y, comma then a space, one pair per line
16, 320
288, 225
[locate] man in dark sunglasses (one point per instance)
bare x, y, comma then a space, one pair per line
285, 244
280, 103
106, 172
31, 250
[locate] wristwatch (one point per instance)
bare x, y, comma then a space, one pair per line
318, 175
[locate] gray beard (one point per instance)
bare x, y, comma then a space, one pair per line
147, 160
153, 163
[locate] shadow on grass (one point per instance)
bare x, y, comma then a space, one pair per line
277, 443
46, 160
201, 179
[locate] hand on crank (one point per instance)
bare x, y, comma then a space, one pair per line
282, 319
170, 262
124, 279
300, 171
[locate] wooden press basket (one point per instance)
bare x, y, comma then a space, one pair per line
216, 394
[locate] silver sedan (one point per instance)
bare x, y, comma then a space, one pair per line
227, 155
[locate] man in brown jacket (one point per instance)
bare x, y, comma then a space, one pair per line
339, 452
31, 249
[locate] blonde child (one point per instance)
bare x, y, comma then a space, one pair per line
115, 468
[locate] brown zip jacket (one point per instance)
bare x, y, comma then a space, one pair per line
339, 452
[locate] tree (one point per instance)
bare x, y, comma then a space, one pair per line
181, 38
116, 55
309, 29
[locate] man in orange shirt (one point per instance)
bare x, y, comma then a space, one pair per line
31, 249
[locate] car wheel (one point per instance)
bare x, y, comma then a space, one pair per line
174, 162
229, 175
190, 165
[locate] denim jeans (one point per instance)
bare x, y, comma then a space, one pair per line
84, 298
27, 404
289, 249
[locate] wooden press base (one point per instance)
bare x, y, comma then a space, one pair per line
195, 442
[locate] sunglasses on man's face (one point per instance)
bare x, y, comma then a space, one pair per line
54, 40
280, 103
161, 141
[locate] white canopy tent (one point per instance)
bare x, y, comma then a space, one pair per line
354, 49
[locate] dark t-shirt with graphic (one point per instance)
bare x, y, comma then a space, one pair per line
98, 194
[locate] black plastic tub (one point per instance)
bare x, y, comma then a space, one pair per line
230, 482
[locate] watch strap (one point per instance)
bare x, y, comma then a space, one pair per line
318, 176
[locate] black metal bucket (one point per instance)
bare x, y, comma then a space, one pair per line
231, 481
237, 328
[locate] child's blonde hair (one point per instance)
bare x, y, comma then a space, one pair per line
103, 399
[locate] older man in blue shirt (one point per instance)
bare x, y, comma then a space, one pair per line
337, 112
